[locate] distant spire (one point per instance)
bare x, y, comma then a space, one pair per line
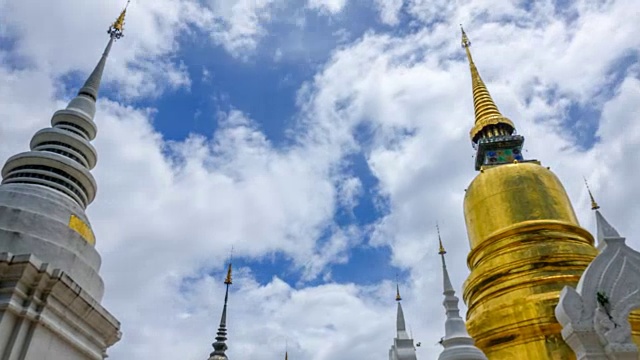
61, 156
402, 348
457, 343
115, 31
442, 250
594, 204
487, 113
401, 326
398, 297
286, 355
493, 135
220, 345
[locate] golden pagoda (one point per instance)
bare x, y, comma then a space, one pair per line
526, 242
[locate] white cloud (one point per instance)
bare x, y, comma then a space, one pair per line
167, 213
239, 24
142, 67
389, 10
330, 6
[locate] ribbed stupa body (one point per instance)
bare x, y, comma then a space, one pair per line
61, 156
526, 245
45, 191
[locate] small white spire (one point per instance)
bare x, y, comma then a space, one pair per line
403, 347
457, 343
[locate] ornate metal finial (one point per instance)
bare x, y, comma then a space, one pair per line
465, 39
398, 297
227, 280
117, 28
442, 251
594, 204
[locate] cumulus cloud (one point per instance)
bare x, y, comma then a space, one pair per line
168, 212
389, 10
329, 6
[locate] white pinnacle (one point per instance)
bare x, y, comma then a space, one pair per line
457, 343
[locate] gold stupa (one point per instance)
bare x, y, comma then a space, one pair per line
526, 242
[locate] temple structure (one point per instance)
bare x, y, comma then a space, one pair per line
403, 347
220, 345
457, 343
49, 267
538, 287
526, 242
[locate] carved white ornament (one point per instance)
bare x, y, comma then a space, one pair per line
595, 316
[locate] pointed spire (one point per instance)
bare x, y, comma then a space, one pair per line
401, 326
115, 31
398, 297
493, 135
604, 229
442, 250
117, 27
402, 348
489, 120
220, 345
448, 288
286, 355
61, 156
457, 343
594, 204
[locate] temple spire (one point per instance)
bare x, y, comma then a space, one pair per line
603, 228
487, 113
401, 326
448, 288
220, 345
457, 343
493, 135
62, 156
115, 31
594, 204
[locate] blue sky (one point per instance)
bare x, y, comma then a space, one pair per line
322, 140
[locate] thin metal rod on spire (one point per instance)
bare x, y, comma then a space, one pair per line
398, 297
442, 251
594, 204
115, 31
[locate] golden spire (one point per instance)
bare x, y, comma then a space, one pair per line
227, 280
398, 297
117, 28
442, 250
486, 111
594, 204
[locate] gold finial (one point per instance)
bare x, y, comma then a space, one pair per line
227, 280
486, 111
442, 250
465, 40
398, 297
117, 28
594, 204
